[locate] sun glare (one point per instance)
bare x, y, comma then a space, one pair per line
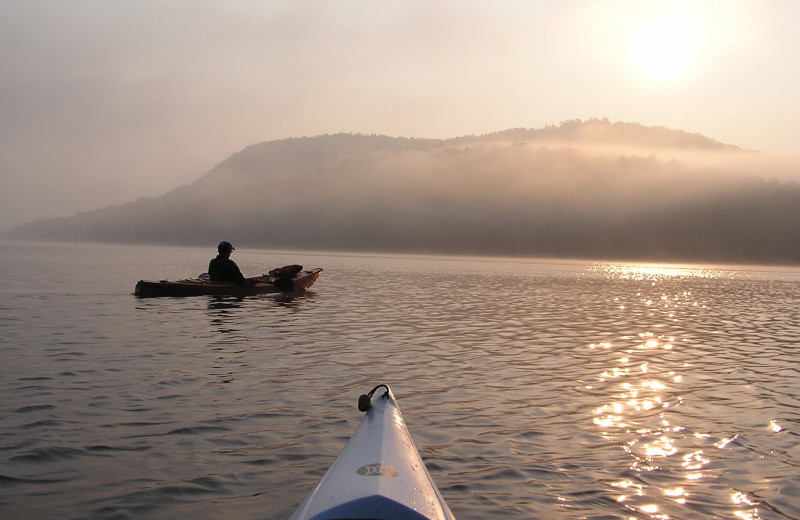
664, 49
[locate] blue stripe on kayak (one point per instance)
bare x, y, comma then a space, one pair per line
375, 507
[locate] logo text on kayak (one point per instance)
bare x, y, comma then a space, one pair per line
376, 470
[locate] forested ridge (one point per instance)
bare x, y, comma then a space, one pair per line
592, 189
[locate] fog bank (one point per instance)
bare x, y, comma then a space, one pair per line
683, 198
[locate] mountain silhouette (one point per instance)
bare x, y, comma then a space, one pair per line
581, 189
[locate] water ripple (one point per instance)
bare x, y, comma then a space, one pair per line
532, 389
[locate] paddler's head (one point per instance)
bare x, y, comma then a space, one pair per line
224, 248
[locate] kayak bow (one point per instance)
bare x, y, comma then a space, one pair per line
379, 474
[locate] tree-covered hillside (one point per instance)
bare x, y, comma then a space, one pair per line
590, 189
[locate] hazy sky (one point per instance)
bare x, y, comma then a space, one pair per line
105, 101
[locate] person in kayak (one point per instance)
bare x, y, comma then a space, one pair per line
223, 269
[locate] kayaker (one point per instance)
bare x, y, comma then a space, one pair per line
223, 269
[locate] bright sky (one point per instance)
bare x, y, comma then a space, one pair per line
102, 102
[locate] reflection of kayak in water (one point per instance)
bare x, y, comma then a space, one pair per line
204, 286
379, 474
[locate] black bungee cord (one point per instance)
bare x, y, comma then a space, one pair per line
365, 400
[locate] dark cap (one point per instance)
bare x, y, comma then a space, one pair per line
225, 246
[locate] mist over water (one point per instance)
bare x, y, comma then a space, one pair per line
533, 389
589, 190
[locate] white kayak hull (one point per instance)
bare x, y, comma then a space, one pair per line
379, 474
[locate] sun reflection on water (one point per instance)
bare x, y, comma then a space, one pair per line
739, 499
652, 272
642, 390
642, 394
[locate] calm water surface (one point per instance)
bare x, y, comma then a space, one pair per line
533, 389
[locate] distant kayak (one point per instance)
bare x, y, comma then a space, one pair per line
204, 286
379, 474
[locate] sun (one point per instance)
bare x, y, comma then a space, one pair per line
664, 49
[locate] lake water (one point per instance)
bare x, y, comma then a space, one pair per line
533, 389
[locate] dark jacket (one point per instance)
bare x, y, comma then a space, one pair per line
223, 269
